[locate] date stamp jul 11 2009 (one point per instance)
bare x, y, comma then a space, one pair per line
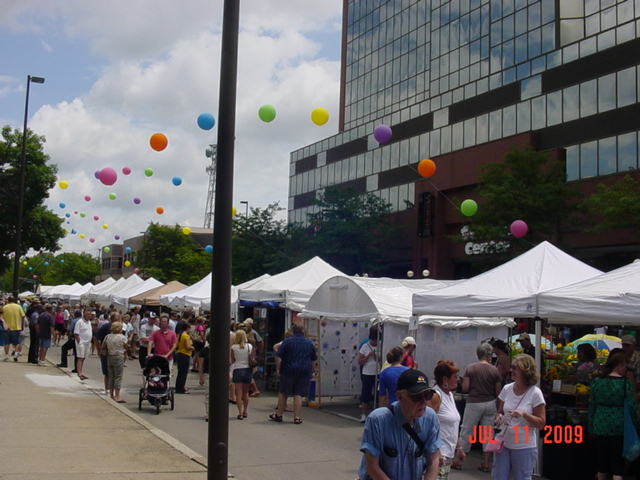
553, 434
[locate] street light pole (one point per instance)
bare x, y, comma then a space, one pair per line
23, 168
246, 207
218, 429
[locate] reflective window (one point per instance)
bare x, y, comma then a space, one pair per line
570, 103
626, 80
607, 93
524, 117
607, 156
627, 152
482, 128
573, 163
495, 125
457, 136
469, 132
445, 139
554, 108
588, 98
509, 121
588, 159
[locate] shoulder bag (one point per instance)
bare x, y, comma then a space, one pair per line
498, 444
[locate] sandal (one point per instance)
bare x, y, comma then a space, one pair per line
275, 417
484, 469
245, 415
297, 420
239, 417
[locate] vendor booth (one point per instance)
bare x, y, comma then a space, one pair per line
73, 295
151, 298
99, 289
122, 284
512, 290
121, 299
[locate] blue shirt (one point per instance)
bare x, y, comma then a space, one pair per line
297, 354
383, 433
389, 381
72, 324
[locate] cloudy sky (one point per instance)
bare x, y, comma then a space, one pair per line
118, 71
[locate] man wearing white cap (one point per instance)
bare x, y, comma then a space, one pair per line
409, 346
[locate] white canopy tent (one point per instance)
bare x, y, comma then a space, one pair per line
611, 298
121, 285
73, 295
121, 299
293, 288
98, 289
59, 291
343, 308
509, 290
26, 294
42, 289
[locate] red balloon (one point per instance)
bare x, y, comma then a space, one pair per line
108, 176
426, 168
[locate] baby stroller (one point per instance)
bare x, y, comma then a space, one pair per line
156, 384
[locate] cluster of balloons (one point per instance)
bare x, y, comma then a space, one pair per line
319, 116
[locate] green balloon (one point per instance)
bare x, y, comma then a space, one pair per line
82, 214
469, 207
148, 172
267, 113
112, 196
106, 249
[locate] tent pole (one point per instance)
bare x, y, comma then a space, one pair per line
539, 363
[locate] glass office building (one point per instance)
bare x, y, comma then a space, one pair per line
452, 77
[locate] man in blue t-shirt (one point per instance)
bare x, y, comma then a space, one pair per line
388, 379
389, 450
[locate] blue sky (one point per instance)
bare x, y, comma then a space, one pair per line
113, 79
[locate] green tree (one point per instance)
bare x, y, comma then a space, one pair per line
351, 231
262, 243
167, 254
527, 185
614, 206
41, 227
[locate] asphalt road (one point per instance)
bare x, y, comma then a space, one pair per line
323, 446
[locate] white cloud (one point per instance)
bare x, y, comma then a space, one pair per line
46, 47
163, 87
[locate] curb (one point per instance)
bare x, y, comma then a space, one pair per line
165, 437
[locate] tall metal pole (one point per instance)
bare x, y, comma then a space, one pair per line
218, 435
23, 167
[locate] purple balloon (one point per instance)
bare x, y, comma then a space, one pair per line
382, 133
137, 201
518, 228
116, 237
97, 174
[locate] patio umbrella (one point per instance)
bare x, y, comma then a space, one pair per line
599, 342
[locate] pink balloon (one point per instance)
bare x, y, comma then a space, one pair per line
108, 176
136, 270
126, 170
518, 228
87, 198
92, 240
96, 218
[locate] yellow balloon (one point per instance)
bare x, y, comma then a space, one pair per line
24, 262
127, 263
186, 230
234, 211
82, 235
320, 116
105, 226
63, 184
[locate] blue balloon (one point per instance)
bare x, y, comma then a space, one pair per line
127, 250
62, 205
208, 248
68, 215
62, 260
206, 121
73, 231
176, 181
30, 268
46, 264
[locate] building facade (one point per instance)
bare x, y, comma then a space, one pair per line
462, 82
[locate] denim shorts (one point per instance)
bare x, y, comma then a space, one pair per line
44, 342
241, 375
12, 337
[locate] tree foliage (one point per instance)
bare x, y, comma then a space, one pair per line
167, 254
41, 227
351, 231
615, 206
527, 185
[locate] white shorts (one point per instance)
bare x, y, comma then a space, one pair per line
83, 349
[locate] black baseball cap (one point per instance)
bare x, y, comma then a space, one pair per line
413, 381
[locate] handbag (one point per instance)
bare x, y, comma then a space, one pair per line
631, 443
498, 444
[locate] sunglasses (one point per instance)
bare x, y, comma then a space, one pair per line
422, 397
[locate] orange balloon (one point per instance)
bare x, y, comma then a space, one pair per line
158, 142
159, 210
426, 167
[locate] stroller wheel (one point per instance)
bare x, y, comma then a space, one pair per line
140, 398
158, 403
172, 398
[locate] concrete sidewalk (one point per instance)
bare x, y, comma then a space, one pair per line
54, 427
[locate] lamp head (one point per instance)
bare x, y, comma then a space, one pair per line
36, 79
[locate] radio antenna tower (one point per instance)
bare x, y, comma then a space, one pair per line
212, 153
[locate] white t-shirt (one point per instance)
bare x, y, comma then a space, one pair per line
83, 329
241, 355
449, 423
371, 367
528, 401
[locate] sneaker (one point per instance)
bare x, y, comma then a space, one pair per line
42, 363
363, 418
6, 358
